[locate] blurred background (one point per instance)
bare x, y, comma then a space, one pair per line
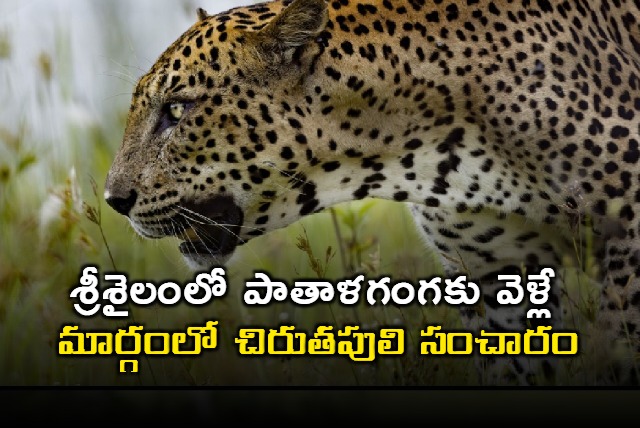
67, 70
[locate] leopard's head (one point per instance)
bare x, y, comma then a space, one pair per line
206, 152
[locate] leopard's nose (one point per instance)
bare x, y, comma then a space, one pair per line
122, 203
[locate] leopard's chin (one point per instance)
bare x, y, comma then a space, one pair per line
201, 262
211, 231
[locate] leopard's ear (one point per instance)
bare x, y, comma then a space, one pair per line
202, 14
298, 24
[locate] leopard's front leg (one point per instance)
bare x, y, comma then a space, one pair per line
619, 315
484, 245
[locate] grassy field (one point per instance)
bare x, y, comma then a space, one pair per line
46, 242
53, 221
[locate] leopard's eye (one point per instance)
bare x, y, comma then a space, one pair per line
171, 114
175, 111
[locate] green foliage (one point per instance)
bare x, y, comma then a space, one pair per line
5, 46
45, 241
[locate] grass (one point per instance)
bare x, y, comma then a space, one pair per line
43, 253
46, 242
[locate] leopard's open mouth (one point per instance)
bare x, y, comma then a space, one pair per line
211, 230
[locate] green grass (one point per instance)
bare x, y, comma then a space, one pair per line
39, 266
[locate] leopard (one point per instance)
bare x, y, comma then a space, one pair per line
507, 127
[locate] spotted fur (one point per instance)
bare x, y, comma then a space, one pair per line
507, 126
